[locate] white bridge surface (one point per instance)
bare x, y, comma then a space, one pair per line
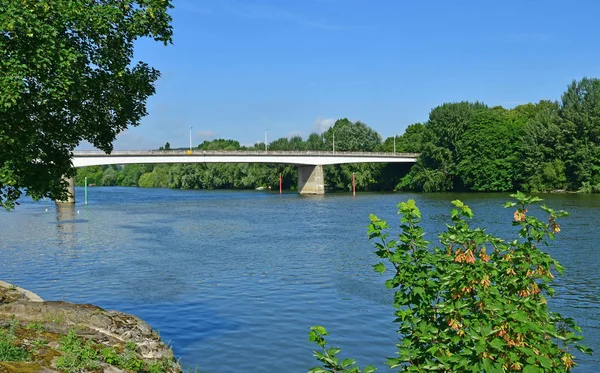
85, 158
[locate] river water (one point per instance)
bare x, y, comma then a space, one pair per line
234, 279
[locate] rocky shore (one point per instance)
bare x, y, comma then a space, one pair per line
52, 337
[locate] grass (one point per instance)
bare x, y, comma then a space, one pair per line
9, 350
79, 355
36, 325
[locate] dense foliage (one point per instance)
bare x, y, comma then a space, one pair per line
464, 146
534, 147
475, 304
66, 75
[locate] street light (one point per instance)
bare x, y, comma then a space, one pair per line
191, 139
334, 141
266, 146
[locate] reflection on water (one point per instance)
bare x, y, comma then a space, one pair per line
67, 220
249, 272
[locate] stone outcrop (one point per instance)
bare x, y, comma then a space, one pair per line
53, 320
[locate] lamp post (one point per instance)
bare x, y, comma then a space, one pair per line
266, 146
334, 142
191, 139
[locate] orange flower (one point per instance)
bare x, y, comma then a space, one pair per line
469, 257
485, 282
483, 255
555, 227
567, 360
454, 324
516, 366
459, 256
519, 215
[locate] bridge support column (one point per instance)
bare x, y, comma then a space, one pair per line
311, 180
71, 191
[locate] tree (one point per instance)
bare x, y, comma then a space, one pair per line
352, 136
66, 76
580, 124
316, 141
542, 166
411, 141
475, 304
489, 152
220, 144
436, 169
94, 175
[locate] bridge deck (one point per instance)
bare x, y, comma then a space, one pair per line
94, 158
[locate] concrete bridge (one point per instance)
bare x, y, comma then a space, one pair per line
310, 163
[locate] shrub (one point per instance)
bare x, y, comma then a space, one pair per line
476, 304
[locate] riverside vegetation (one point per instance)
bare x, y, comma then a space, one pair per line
475, 304
464, 146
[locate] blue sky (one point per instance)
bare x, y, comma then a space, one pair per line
239, 67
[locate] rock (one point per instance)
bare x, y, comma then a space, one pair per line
101, 321
144, 328
112, 369
106, 328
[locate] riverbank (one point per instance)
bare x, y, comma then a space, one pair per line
53, 336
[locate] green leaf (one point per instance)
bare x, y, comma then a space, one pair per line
531, 369
586, 350
379, 267
497, 343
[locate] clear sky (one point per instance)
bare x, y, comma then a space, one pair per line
239, 67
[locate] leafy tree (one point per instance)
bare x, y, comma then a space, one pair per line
580, 124
93, 174
489, 152
351, 136
542, 166
475, 304
109, 177
158, 178
316, 141
131, 173
67, 75
436, 169
411, 141
220, 144
282, 143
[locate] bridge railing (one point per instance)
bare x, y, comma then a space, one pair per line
196, 152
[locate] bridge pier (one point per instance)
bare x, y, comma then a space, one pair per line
311, 180
71, 191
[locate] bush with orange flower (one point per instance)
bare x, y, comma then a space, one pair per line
475, 304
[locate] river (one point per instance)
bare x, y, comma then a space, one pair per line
234, 279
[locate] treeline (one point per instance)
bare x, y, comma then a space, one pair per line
547, 146
348, 136
464, 146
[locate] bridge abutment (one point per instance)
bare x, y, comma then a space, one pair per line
71, 191
311, 180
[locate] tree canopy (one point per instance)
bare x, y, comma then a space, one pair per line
67, 76
533, 147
